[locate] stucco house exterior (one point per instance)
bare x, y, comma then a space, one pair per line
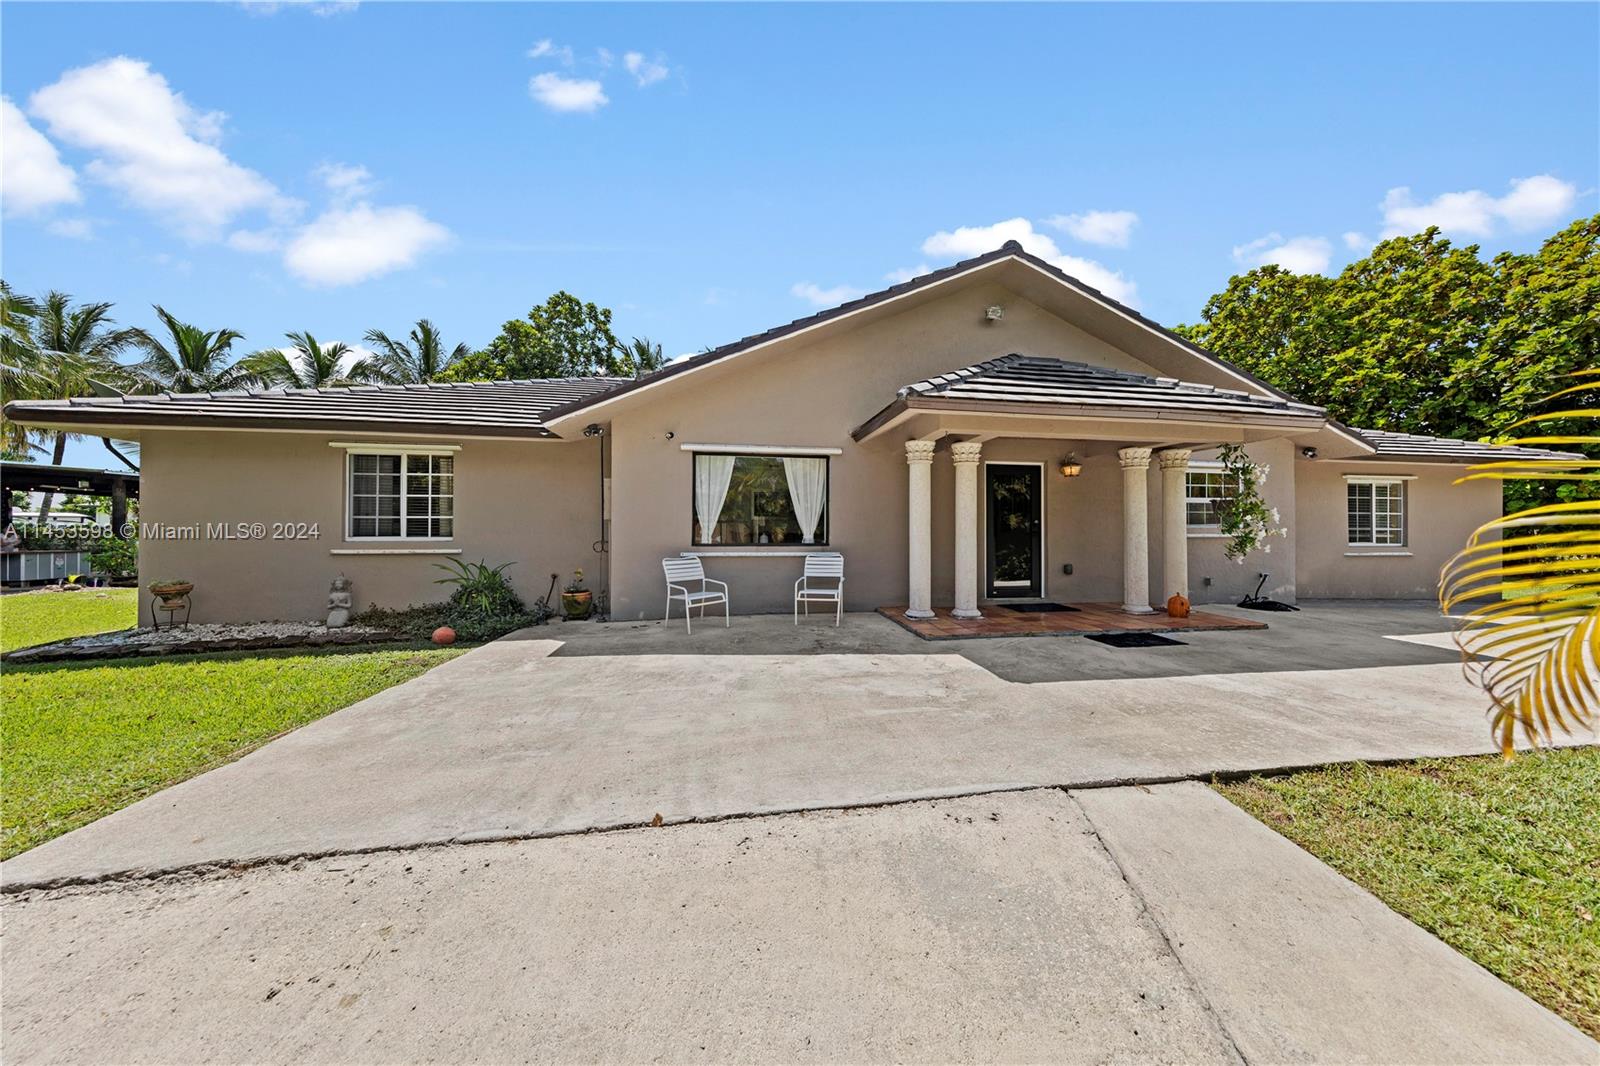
921, 431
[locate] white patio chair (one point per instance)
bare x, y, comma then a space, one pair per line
681, 572
823, 567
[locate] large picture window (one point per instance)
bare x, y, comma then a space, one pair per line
1376, 513
1204, 490
401, 496
760, 499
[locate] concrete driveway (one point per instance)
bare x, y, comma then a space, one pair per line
578, 727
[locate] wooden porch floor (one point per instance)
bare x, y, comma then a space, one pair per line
1096, 618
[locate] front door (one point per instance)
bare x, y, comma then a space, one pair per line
1015, 555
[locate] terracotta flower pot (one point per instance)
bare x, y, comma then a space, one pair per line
172, 592
577, 604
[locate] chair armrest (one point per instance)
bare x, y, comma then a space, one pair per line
713, 581
681, 588
799, 583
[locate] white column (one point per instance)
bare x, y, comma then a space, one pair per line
1174, 523
919, 546
966, 455
1135, 531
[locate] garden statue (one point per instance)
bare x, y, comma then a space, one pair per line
339, 601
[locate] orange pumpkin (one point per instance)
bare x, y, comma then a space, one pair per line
1178, 606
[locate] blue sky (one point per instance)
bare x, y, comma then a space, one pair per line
710, 171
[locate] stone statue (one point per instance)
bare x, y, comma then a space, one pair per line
339, 601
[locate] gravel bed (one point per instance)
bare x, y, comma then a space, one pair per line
201, 637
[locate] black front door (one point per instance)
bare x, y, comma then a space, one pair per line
1015, 550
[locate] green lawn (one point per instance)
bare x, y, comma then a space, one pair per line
1499, 860
28, 618
81, 740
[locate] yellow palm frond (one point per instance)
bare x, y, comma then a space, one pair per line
1529, 584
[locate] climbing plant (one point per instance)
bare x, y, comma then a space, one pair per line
1243, 516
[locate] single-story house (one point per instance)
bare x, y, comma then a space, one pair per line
925, 431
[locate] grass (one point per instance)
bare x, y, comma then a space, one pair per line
1499, 860
84, 739
28, 618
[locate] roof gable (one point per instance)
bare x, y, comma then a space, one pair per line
1011, 252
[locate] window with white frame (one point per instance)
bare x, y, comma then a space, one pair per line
1204, 488
401, 496
1376, 511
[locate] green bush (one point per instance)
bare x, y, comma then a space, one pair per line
116, 559
419, 621
480, 588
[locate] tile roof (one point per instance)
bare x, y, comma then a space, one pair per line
489, 408
1400, 446
1030, 379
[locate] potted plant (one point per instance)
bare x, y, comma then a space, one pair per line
171, 592
576, 601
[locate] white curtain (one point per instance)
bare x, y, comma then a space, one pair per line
808, 490
711, 476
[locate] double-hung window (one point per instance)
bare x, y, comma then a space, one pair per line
760, 499
1376, 512
1205, 487
401, 496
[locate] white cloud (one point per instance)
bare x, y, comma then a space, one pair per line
907, 273
645, 71
78, 229
1532, 203
32, 175
1299, 255
817, 296
604, 57
347, 244
567, 94
548, 49
1108, 228
344, 181
975, 240
155, 148
1355, 241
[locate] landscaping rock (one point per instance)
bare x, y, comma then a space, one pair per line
193, 639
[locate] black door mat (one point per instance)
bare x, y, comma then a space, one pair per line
1039, 608
1136, 640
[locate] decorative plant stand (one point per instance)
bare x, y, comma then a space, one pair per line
169, 606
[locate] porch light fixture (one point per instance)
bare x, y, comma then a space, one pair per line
1070, 467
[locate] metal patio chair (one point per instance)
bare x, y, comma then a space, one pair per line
821, 567
681, 573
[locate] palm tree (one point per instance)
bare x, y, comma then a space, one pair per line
70, 351
1531, 585
192, 360
420, 361
640, 357
307, 365
18, 361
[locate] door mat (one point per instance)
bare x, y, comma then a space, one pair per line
1039, 608
1136, 640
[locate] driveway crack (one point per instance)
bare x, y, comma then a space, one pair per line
1149, 915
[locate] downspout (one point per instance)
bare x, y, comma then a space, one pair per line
602, 546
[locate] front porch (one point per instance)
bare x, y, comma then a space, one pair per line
1084, 619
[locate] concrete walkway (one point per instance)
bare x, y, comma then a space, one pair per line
611, 725
1117, 925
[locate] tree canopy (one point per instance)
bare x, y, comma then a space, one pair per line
1420, 336
562, 337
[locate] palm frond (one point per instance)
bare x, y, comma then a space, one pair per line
1530, 587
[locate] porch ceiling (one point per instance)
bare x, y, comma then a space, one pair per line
1022, 395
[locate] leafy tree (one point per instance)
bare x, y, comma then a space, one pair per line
640, 357
416, 361
69, 351
562, 337
308, 365
1422, 337
190, 359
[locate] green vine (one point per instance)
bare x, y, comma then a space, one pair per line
1244, 517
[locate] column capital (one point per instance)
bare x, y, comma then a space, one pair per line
1174, 459
966, 451
919, 451
1134, 458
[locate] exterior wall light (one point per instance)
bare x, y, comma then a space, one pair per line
1070, 467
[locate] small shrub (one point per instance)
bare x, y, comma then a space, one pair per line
420, 620
481, 588
116, 559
